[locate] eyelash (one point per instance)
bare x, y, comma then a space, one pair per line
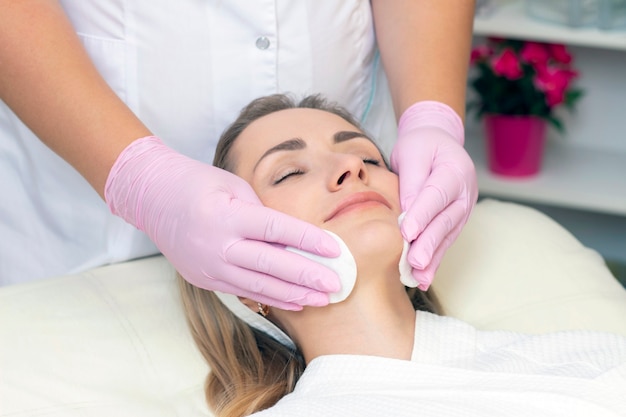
287, 175
372, 161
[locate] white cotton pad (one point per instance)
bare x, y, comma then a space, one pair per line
404, 266
344, 265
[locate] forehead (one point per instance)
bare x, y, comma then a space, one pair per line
289, 123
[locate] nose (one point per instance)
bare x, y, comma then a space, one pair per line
348, 169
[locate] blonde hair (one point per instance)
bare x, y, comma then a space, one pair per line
249, 370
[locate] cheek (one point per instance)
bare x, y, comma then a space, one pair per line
390, 183
293, 202
395, 188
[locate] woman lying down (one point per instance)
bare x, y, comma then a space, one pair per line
370, 353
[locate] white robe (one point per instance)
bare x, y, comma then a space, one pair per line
456, 370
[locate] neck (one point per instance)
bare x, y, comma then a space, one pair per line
377, 319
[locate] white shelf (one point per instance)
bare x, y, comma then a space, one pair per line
574, 177
508, 19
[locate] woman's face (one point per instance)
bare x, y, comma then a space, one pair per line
316, 166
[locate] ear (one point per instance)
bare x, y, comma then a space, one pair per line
251, 304
256, 307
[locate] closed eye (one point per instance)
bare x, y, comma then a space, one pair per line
372, 161
287, 175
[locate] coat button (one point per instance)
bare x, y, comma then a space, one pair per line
262, 42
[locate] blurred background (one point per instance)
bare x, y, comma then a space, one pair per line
582, 181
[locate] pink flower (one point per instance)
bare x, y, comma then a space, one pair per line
554, 81
480, 52
507, 65
514, 76
560, 54
535, 53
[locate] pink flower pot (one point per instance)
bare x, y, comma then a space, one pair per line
514, 144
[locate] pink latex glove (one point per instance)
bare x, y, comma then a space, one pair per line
214, 230
438, 187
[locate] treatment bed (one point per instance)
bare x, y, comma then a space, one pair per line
113, 341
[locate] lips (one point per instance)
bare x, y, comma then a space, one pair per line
357, 200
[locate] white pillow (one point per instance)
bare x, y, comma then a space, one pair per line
109, 342
514, 268
113, 341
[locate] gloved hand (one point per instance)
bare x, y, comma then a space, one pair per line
214, 230
438, 187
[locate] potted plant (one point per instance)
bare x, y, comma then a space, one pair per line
518, 86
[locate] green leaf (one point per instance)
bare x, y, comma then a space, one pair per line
557, 124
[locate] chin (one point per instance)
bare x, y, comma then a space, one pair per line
373, 242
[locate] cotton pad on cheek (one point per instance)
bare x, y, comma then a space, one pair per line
405, 267
344, 265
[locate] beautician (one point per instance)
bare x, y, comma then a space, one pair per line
124, 100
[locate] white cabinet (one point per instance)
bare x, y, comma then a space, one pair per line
585, 168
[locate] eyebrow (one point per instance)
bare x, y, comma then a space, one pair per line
345, 135
296, 144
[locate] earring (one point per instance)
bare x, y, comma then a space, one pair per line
264, 310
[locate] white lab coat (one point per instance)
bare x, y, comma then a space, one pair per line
186, 68
458, 371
